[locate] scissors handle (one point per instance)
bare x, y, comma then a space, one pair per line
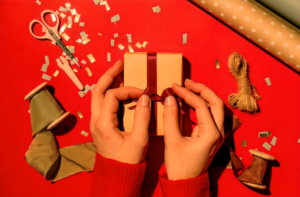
46, 26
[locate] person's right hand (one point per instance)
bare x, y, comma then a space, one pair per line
188, 157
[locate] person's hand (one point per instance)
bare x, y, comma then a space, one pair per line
188, 157
109, 140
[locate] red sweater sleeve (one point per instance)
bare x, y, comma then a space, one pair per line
114, 179
194, 187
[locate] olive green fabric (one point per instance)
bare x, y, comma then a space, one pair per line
44, 154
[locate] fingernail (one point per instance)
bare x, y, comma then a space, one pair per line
117, 63
169, 101
145, 100
189, 80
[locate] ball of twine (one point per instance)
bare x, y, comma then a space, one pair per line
245, 100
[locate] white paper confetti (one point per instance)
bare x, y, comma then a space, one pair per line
96, 2
38, 2
268, 81
76, 20
138, 45
73, 12
121, 46
62, 9
112, 42
184, 38
115, 18
107, 7
83, 62
267, 146
129, 38
47, 77
47, 60
99, 34
144, 44
44, 68
84, 133
81, 24
81, 94
108, 57
83, 35
156, 9
53, 17
86, 88
274, 140
130, 48
75, 70
88, 71
85, 41
70, 20
116, 35
68, 6
65, 36
56, 73
62, 15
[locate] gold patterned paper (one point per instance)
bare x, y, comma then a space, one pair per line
65, 36
264, 134
76, 20
274, 140
53, 17
73, 12
130, 48
88, 71
62, 29
56, 73
91, 58
85, 41
62, 15
138, 45
84, 133
121, 46
80, 114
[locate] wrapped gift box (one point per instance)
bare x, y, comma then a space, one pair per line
142, 70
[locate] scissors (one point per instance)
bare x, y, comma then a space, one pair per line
52, 34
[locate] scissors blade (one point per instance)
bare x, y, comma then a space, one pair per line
66, 50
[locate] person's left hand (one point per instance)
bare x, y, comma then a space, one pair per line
109, 140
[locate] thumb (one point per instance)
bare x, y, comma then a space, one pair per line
142, 117
171, 125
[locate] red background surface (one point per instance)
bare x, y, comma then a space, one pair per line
22, 56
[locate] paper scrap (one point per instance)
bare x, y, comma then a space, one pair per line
267, 146
69, 25
44, 29
29, 111
268, 81
62, 15
129, 38
81, 94
59, 34
73, 12
53, 17
70, 20
68, 6
144, 44
156, 9
47, 60
79, 40
71, 49
217, 64
299, 140
121, 46
112, 42
75, 70
264, 134
62, 9
107, 7
103, 2
38, 2
47, 77
56, 73
44, 68
76, 20
184, 38
116, 35
274, 140
130, 48
80, 114
92, 87
91, 58
96, 1
99, 34
84, 133
65, 36
88, 71
81, 24
115, 18
85, 41
83, 35
86, 89
138, 45
244, 143
62, 29
108, 57
83, 62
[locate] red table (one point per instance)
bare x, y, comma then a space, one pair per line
22, 56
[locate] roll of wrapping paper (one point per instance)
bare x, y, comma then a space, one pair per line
44, 154
260, 25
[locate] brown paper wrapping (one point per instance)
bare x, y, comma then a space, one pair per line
169, 71
260, 25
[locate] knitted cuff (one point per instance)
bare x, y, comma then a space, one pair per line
198, 186
112, 178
